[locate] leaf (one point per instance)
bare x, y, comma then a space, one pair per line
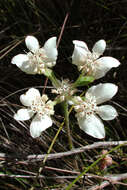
83, 80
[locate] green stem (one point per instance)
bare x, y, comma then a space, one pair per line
66, 113
50, 148
56, 83
50, 74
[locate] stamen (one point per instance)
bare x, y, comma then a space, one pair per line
39, 59
41, 106
90, 64
87, 107
65, 90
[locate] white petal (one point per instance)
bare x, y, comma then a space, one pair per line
27, 98
99, 47
39, 124
104, 64
80, 52
103, 92
50, 48
19, 59
79, 56
30, 69
32, 43
109, 61
80, 44
107, 112
93, 126
22, 61
70, 102
23, 114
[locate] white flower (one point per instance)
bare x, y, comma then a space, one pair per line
35, 104
87, 109
37, 59
89, 63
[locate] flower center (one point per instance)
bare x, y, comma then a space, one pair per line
90, 64
41, 106
87, 107
40, 60
65, 90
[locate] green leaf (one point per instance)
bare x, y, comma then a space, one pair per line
83, 80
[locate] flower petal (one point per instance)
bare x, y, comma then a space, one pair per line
39, 124
50, 49
99, 47
104, 64
32, 43
79, 56
103, 92
19, 59
107, 112
80, 44
109, 61
80, 52
27, 98
22, 61
93, 126
23, 114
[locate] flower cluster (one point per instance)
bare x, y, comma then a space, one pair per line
88, 108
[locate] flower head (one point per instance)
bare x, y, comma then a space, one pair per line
87, 109
89, 63
37, 59
36, 105
64, 91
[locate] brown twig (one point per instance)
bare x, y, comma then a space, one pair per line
61, 170
62, 29
34, 176
34, 158
76, 150
19, 42
110, 179
45, 84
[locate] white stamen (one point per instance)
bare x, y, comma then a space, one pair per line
40, 59
42, 107
65, 90
87, 107
90, 63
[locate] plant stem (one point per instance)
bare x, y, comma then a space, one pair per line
66, 113
50, 74
49, 150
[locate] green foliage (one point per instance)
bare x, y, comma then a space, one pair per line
83, 80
